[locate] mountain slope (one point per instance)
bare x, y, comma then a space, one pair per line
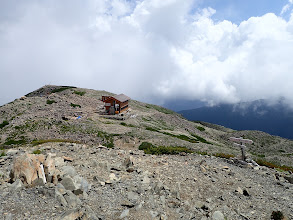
258, 115
58, 113
100, 173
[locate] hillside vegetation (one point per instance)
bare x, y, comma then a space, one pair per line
70, 114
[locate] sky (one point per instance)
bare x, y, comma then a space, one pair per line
213, 51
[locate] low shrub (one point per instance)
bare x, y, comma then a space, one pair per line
37, 142
152, 129
2, 154
49, 102
201, 128
272, 165
223, 155
74, 105
15, 142
145, 145
127, 125
149, 148
37, 151
110, 145
60, 89
201, 139
79, 93
277, 215
3, 124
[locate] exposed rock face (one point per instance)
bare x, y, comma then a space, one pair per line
27, 168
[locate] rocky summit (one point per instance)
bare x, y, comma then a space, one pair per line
62, 157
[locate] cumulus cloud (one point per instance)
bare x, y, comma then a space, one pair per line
151, 50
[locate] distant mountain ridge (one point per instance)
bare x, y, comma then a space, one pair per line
274, 119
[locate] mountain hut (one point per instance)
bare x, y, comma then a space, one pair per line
116, 104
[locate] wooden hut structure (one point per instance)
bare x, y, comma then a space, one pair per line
116, 104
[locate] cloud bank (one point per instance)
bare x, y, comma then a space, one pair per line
151, 50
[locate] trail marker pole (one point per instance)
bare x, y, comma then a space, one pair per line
241, 145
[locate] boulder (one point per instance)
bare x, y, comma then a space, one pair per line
27, 168
217, 215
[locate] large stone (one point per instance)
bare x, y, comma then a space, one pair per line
68, 171
27, 168
217, 215
16, 185
68, 183
60, 198
71, 199
124, 214
81, 183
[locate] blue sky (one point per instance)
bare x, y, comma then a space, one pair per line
162, 50
240, 10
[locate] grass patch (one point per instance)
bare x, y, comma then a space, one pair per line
79, 93
3, 124
108, 139
149, 148
277, 215
74, 105
200, 128
2, 154
37, 142
182, 137
38, 151
49, 102
15, 142
63, 88
127, 125
159, 108
152, 129
272, 165
201, 139
145, 145
223, 155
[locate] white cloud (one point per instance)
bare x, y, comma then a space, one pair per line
152, 50
287, 7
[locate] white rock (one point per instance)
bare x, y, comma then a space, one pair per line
124, 214
217, 215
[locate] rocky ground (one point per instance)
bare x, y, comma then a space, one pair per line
128, 184
94, 169
76, 115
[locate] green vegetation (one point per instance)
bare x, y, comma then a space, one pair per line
277, 215
49, 102
159, 108
3, 124
108, 139
221, 155
145, 145
62, 89
152, 129
127, 125
273, 165
79, 93
37, 142
2, 154
148, 148
182, 137
38, 151
74, 105
200, 128
20, 141
201, 139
